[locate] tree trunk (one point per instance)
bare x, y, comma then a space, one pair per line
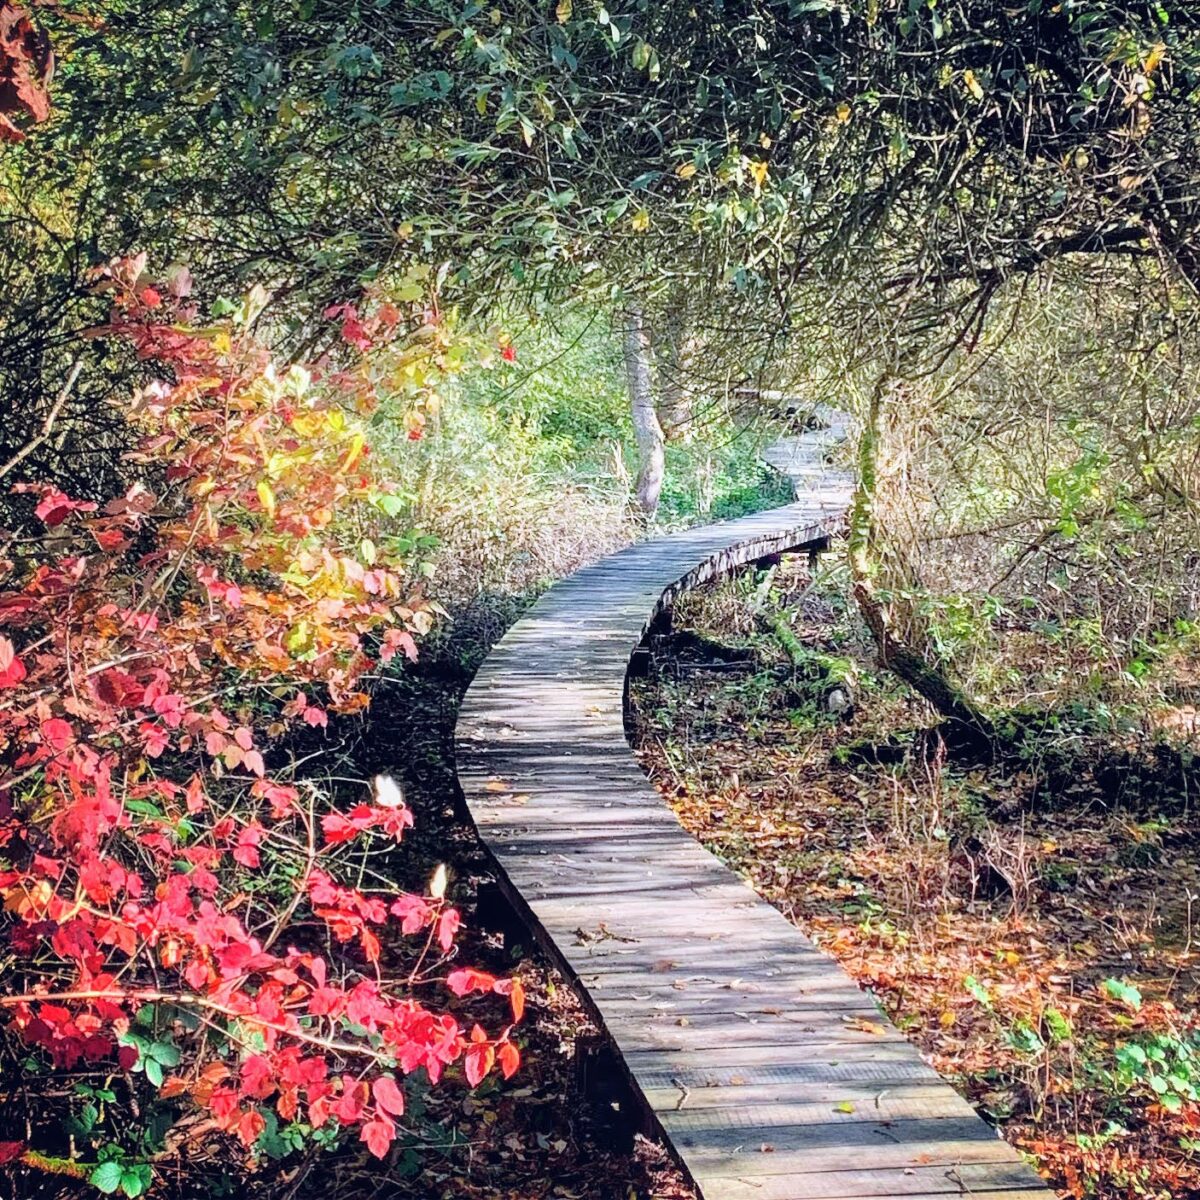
903, 660
646, 428
676, 349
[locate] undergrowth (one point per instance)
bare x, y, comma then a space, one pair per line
1030, 924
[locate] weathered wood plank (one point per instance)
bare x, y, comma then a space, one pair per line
751, 1151
967, 1179
735, 1030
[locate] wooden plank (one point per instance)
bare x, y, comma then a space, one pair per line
753, 1151
802, 1105
736, 1031
967, 1179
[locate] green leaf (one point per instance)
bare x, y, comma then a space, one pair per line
136, 1180
978, 991
143, 808
1058, 1025
154, 1072
1123, 993
107, 1177
166, 1053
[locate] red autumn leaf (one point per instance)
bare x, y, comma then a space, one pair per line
509, 1058
57, 734
110, 539
173, 1085
56, 506
447, 927
467, 979
250, 1127
370, 945
11, 1150
246, 849
337, 828
388, 1095
12, 669
478, 1061
515, 991
378, 1135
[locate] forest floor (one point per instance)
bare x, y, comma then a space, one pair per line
1030, 929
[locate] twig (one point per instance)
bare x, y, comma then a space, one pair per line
48, 423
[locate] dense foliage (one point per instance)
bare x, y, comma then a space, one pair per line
316, 146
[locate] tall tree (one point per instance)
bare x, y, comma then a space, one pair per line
647, 430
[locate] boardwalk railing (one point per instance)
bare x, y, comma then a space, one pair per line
769, 1073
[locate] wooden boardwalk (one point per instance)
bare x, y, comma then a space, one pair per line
767, 1070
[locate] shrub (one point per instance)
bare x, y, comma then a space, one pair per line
213, 933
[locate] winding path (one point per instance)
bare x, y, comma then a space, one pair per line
767, 1070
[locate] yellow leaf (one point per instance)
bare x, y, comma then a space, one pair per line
307, 424
758, 171
764, 140
266, 497
972, 84
357, 444
640, 220
563, 11
369, 552
1155, 57
845, 1107
685, 170
843, 112
946, 1019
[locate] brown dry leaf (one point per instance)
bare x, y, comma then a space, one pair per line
864, 1026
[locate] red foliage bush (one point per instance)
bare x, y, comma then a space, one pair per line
175, 910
